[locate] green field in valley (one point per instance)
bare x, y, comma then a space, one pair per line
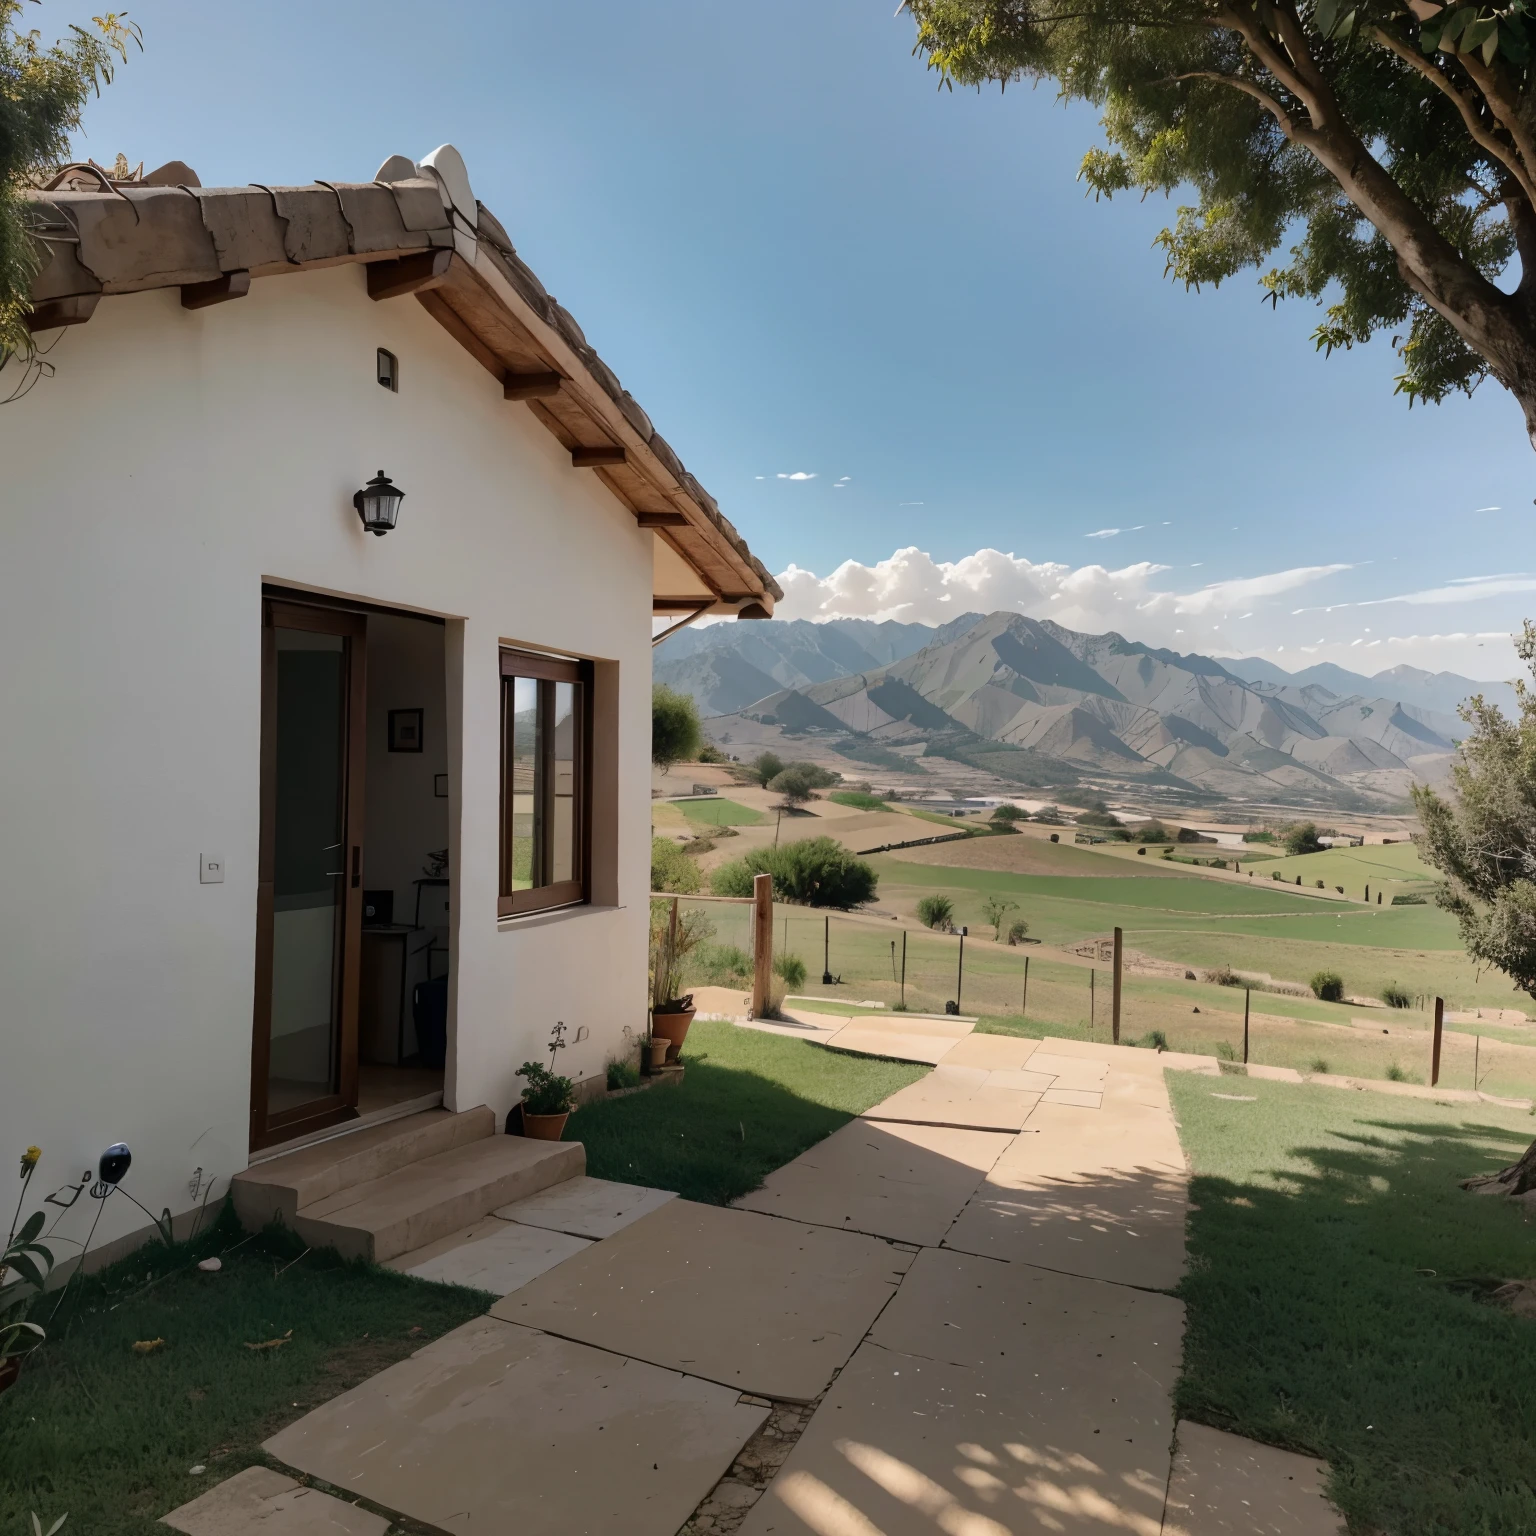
1387, 867
719, 813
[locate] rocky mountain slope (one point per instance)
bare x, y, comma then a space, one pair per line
1036, 702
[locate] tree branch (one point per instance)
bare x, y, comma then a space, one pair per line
1489, 80
1248, 88
1505, 154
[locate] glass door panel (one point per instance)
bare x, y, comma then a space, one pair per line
304, 1059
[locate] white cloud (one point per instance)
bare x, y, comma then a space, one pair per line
1106, 533
799, 474
1490, 509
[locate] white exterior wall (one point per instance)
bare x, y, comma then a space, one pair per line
175, 461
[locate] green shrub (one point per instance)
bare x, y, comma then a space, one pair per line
1329, 986
1153, 1040
817, 873
675, 733
1318, 1064
1258, 837
1226, 1051
1098, 818
1301, 837
1395, 1074
859, 799
937, 912
710, 753
1018, 931
718, 965
1154, 832
1006, 815
790, 969
1395, 996
1409, 899
1321, 886
672, 869
1224, 976
622, 1074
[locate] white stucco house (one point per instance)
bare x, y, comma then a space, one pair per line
268, 771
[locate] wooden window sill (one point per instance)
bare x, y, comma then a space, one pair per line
551, 915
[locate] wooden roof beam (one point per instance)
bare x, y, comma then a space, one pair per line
598, 458
410, 274
530, 386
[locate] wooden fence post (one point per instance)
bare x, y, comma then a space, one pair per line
1247, 1003
1434, 1060
1115, 988
1092, 1001
1024, 1003
762, 944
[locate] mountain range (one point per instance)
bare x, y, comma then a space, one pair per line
1038, 703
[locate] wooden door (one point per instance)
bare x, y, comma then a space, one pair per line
309, 882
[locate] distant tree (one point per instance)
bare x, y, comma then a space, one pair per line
766, 766
672, 869
710, 753
1154, 832
1391, 145
816, 872
997, 909
1301, 837
43, 91
1005, 816
675, 732
937, 912
794, 784
1098, 818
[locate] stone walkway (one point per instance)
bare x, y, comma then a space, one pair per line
949, 1318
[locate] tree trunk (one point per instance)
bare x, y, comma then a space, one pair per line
1518, 1179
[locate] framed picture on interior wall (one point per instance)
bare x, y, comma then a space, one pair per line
405, 730
440, 785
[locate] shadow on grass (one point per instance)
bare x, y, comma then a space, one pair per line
107, 1435
1333, 1307
749, 1102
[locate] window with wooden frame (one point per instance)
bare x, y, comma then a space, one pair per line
546, 739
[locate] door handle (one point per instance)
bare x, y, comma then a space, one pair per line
357, 866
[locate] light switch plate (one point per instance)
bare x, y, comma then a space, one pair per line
212, 872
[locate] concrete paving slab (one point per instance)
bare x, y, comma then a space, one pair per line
904, 1182
997, 1053
586, 1207
759, 1304
261, 1502
799, 1026
1070, 1071
492, 1255
1090, 1197
1225, 1484
926, 1040
958, 1096
1078, 1096
494, 1427
990, 1400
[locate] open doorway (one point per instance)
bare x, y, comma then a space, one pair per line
352, 910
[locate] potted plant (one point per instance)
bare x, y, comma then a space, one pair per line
547, 1102
674, 936
656, 1048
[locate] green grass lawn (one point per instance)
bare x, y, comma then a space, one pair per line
1389, 867
748, 1103
108, 1436
719, 813
859, 799
1338, 1298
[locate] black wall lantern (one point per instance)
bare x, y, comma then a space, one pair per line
378, 504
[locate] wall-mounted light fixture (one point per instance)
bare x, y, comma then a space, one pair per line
378, 504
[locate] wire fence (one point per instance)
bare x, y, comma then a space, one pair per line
855, 958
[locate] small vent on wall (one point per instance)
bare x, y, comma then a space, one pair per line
389, 371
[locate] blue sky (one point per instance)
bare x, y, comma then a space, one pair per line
803, 259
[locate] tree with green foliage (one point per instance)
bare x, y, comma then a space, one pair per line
1482, 839
794, 784
766, 766
936, 912
43, 91
1393, 140
1329, 986
675, 732
672, 869
997, 909
1005, 816
1301, 837
817, 872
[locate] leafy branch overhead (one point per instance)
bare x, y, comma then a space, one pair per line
43, 90
1394, 142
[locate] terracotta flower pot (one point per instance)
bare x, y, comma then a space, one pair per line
659, 1046
545, 1127
674, 1026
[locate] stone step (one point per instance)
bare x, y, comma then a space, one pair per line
435, 1197
278, 1189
